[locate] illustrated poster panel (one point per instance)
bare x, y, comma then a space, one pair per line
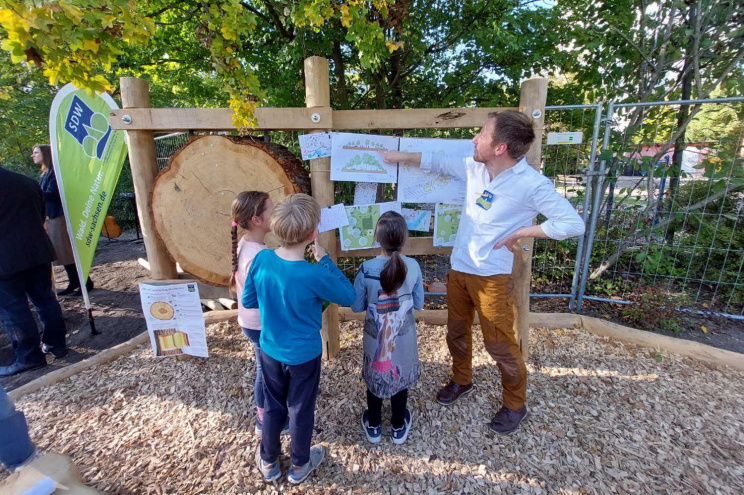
354, 158
418, 186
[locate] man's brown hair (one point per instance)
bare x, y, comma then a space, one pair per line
515, 130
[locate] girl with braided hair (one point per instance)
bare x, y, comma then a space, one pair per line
251, 211
389, 288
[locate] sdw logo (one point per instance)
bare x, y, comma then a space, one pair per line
90, 129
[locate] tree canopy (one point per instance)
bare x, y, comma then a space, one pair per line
384, 54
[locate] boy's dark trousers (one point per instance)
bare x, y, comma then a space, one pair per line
293, 387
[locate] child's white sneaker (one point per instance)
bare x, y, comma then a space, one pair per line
374, 434
401, 434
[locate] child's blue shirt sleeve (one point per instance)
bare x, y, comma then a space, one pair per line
360, 288
332, 285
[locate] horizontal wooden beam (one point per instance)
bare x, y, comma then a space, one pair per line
419, 118
220, 119
414, 247
217, 119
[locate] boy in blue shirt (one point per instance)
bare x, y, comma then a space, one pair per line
290, 292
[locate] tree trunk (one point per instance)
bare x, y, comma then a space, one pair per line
339, 69
679, 145
191, 199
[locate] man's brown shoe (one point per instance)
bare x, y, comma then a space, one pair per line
452, 391
507, 420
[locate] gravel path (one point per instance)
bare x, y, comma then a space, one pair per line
605, 418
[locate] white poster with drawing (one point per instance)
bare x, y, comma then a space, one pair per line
365, 193
174, 318
317, 145
446, 223
419, 220
354, 158
418, 186
333, 217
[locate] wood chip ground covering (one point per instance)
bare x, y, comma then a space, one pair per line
605, 418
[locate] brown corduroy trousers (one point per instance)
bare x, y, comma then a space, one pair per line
492, 297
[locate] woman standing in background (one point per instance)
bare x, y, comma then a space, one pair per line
55, 222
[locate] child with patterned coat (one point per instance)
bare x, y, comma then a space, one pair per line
389, 288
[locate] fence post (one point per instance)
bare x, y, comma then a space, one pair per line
596, 205
144, 163
580, 251
534, 95
318, 94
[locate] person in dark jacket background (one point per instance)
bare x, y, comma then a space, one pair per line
26, 254
55, 222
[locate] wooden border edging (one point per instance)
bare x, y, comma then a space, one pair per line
695, 350
688, 348
61, 374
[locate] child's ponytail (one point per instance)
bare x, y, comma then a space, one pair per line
245, 206
392, 233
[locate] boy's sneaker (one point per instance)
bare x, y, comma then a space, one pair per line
269, 470
401, 434
258, 428
374, 434
298, 474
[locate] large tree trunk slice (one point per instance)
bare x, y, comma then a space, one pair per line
191, 198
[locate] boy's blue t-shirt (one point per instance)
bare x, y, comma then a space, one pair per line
290, 295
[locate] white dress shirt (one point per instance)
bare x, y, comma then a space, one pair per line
518, 195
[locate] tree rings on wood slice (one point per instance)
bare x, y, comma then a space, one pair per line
192, 198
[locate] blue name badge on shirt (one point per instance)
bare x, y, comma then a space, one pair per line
485, 200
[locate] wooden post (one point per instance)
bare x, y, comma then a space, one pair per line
532, 102
144, 163
318, 94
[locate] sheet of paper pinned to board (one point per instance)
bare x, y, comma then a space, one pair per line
360, 233
354, 157
418, 220
446, 223
419, 186
365, 193
333, 217
316, 145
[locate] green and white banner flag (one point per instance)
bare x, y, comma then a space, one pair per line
88, 156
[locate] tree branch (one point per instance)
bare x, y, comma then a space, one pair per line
286, 33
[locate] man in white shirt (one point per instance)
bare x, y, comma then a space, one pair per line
504, 195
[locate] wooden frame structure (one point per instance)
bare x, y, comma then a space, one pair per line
140, 121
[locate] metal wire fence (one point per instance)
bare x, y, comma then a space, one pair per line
167, 145
669, 223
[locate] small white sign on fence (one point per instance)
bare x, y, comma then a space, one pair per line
565, 137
